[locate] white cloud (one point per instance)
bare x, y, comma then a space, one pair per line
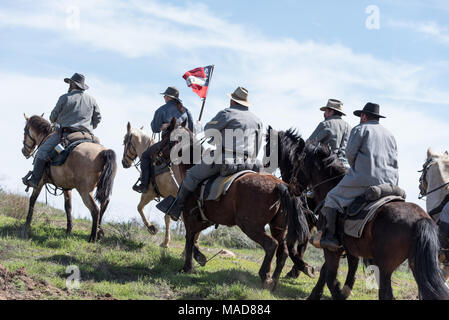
429, 28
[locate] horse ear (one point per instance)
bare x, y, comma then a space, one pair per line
184, 123
172, 125
128, 127
42, 115
446, 153
429, 152
141, 128
26, 118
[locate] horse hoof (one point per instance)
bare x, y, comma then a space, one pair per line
152, 230
100, 234
185, 270
25, 233
292, 274
201, 259
346, 292
268, 284
309, 271
163, 245
314, 296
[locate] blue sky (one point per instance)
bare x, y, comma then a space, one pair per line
291, 55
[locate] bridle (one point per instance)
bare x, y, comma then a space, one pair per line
29, 148
423, 180
130, 149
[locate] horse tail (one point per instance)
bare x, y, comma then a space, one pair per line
298, 228
431, 284
106, 181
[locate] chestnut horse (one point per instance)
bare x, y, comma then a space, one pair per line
88, 166
398, 231
289, 145
135, 143
253, 201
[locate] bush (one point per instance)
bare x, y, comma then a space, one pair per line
228, 237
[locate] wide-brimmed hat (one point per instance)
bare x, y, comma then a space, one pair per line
371, 108
240, 95
172, 92
334, 104
78, 79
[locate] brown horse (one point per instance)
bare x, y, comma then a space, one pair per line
89, 165
398, 231
252, 202
135, 143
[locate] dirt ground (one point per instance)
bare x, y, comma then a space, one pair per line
18, 285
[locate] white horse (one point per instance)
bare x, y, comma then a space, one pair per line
434, 185
135, 143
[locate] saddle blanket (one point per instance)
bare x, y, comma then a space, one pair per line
60, 159
354, 225
215, 187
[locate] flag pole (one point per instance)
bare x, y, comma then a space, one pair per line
204, 100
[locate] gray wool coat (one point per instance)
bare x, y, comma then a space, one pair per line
373, 157
333, 131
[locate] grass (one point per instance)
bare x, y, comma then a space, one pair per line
129, 264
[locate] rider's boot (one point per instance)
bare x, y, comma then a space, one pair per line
38, 172
329, 240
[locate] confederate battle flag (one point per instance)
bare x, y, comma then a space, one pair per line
198, 80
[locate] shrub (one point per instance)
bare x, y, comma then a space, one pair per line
228, 237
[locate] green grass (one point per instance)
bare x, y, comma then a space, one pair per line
129, 264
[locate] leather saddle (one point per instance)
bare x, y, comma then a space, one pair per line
69, 142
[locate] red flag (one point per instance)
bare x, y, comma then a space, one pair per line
198, 80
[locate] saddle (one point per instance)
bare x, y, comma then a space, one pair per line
69, 143
363, 209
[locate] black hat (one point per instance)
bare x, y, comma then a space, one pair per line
371, 108
172, 92
78, 79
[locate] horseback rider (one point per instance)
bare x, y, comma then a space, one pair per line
333, 131
236, 117
172, 108
75, 111
373, 157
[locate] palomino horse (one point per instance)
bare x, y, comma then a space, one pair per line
89, 165
135, 143
289, 145
434, 185
398, 231
252, 202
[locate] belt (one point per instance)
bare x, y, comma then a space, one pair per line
68, 130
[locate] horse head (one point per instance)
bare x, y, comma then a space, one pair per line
36, 129
435, 171
134, 143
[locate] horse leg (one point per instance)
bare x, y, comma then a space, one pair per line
167, 232
197, 254
385, 290
89, 202
27, 228
144, 200
103, 208
68, 210
353, 264
269, 245
333, 260
297, 256
317, 291
278, 232
188, 264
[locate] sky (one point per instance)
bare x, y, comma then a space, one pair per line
291, 55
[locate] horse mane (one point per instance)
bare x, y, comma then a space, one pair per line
40, 125
291, 145
321, 156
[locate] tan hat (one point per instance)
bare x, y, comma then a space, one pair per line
334, 104
240, 95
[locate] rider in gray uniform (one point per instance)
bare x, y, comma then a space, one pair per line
75, 111
236, 117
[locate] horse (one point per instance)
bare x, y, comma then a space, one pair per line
434, 185
398, 231
289, 145
88, 166
135, 143
251, 202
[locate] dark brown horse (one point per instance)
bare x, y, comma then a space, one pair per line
252, 202
289, 146
398, 231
